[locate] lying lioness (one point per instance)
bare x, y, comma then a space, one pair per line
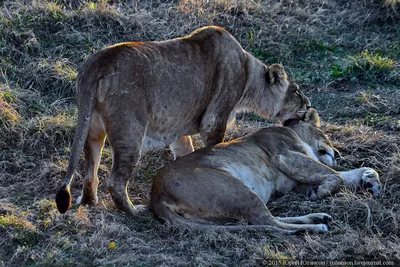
228, 181
145, 96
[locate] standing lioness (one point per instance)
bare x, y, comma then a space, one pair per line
235, 180
145, 96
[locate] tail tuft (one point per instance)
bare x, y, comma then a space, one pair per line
63, 199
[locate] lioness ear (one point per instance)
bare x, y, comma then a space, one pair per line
312, 117
276, 74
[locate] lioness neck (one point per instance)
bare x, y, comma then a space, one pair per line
256, 89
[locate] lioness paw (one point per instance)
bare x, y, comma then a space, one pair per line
370, 182
315, 229
320, 228
94, 202
140, 208
370, 173
321, 218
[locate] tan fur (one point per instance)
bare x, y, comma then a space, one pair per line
234, 180
145, 96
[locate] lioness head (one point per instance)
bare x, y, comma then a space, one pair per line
309, 131
293, 104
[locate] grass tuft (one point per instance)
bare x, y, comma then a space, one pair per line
366, 66
392, 3
9, 116
15, 222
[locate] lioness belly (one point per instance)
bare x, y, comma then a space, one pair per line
158, 141
151, 143
169, 132
253, 179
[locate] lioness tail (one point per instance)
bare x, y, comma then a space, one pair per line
86, 89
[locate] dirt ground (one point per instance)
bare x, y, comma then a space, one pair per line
345, 55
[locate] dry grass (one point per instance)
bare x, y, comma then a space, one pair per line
344, 54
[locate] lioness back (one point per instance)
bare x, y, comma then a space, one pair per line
166, 74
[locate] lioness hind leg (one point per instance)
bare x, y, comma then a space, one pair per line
257, 213
93, 147
313, 218
126, 145
124, 160
182, 146
304, 224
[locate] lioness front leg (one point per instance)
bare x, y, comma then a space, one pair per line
212, 129
182, 146
306, 170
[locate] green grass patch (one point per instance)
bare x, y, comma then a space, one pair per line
9, 116
366, 66
306, 62
273, 256
26, 239
16, 222
60, 121
374, 119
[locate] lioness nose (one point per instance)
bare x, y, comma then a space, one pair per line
375, 193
